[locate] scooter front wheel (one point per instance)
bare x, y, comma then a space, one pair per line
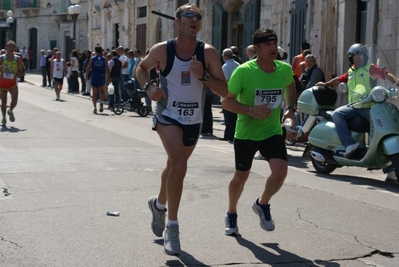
321, 167
118, 109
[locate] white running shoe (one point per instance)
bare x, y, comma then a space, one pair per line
171, 241
158, 217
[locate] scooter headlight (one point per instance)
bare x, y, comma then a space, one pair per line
378, 94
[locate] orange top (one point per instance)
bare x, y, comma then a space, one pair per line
297, 70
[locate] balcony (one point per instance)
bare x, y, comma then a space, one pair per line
28, 7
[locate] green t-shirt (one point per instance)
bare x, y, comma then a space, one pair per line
254, 87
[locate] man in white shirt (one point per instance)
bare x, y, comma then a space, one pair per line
125, 71
25, 56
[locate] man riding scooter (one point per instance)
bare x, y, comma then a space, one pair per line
360, 78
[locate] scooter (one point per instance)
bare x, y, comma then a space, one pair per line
134, 101
382, 145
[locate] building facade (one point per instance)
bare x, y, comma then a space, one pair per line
330, 26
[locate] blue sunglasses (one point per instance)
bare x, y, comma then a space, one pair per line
191, 15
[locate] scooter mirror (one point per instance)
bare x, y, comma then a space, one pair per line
343, 87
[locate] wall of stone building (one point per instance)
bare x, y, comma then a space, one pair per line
275, 15
388, 32
155, 21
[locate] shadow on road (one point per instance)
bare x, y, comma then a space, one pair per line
184, 259
275, 256
11, 129
370, 184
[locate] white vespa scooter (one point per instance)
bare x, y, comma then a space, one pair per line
382, 145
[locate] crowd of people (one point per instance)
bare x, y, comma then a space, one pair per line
190, 69
112, 66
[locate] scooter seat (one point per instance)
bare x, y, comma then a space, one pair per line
326, 113
359, 124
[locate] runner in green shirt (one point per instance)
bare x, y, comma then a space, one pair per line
256, 90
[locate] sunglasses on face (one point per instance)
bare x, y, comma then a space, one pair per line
191, 15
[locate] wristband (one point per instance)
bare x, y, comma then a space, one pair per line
291, 107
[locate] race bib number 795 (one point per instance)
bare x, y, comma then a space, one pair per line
271, 96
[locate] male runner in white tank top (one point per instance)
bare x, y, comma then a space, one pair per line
178, 116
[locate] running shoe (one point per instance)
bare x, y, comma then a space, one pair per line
231, 227
95, 111
391, 176
158, 217
265, 217
171, 241
3, 121
11, 114
101, 107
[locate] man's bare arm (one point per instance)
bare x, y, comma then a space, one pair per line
217, 83
156, 56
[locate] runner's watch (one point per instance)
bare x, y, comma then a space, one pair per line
205, 76
148, 84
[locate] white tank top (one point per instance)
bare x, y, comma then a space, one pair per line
58, 68
184, 94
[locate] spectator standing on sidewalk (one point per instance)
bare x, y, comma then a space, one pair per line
256, 91
30, 55
11, 66
82, 58
98, 66
84, 68
298, 59
58, 71
250, 51
115, 67
235, 54
43, 67
230, 118
74, 71
68, 75
25, 56
186, 64
132, 62
48, 66
138, 58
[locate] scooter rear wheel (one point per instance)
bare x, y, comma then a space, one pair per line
118, 109
323, 168
143, 111
395, 163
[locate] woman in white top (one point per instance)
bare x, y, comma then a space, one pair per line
74, 75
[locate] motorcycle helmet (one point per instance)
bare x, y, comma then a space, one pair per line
357, 49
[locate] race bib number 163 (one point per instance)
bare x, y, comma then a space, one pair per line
271, 96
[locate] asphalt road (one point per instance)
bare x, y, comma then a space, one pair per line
62, 168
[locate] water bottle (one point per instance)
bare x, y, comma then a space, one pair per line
287, 123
